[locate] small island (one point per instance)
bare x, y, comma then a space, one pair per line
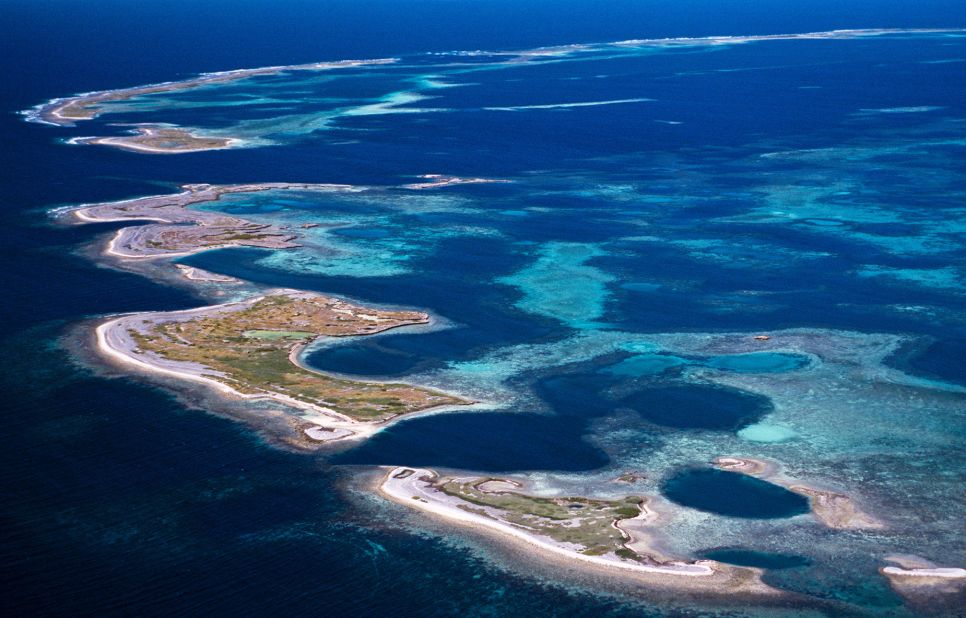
181, 231
591, 532
925, 584
250, 349
156, 139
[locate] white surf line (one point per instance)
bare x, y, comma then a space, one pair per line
515, 108
330, 418
561, 51
88, 218
52, 107
411, 492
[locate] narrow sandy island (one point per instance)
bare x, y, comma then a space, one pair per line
192, 273
180, 231
590, 532
249, 350
67, 111
158, 139
833, 509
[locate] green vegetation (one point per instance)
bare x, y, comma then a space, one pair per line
249, 350
278, 334
582, 521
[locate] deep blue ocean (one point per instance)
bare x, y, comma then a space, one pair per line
810, 185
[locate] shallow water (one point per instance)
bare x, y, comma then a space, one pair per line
601, 305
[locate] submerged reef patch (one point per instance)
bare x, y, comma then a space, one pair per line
560, 284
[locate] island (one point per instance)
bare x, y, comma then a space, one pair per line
160, 139
608, 534
250, 349
180, 231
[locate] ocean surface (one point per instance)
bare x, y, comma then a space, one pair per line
663, 204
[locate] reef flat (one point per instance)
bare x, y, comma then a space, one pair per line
89, 105
250, 349
833, 509
415, 83
708, 316
181, 231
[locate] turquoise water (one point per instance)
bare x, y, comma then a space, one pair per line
664, 205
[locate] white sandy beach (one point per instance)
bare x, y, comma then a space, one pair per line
411, 491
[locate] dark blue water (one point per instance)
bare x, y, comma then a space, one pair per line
938, 359
123, 500
697, 407
732, 494
753, 558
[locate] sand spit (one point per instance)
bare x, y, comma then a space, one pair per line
416, 488
833, 509
197, 274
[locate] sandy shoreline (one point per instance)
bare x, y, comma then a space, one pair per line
114, 342
175, 230
413, 492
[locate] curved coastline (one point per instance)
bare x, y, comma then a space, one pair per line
173, 231
116, 340
160, 138
155, 242
413, 487
178, 231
